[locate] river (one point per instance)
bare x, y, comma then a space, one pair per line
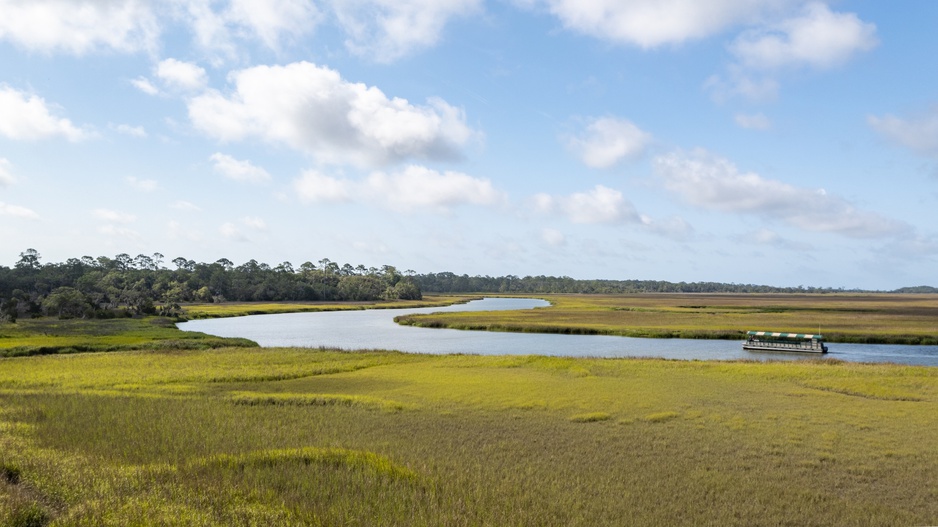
376, 329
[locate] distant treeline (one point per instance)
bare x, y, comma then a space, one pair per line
124, 286
453, 283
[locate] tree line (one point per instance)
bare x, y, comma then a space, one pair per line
105, 287
452, 283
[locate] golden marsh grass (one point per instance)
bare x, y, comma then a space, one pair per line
869, 318
305, 437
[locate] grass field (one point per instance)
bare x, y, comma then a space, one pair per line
249, 436
862, 318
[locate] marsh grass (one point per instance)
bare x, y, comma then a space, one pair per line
136, 438
238, 309
44, 336
855, 318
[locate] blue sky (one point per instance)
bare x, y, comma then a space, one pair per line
780, 142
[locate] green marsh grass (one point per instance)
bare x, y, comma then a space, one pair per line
299, 437
859, 318
237, 309
42, 336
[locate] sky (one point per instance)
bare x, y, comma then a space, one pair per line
776, 142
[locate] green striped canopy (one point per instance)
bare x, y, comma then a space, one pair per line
803, 336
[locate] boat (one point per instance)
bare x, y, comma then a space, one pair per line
771, 341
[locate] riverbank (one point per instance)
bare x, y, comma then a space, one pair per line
910, 319
318, 437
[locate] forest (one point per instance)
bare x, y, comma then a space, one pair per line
105, 287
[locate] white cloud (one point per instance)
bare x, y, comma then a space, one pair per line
714, 183
79, 26
254, 222
119, 232
132, 131
232, 232
413, 188
217, 25
113, 216
675, 228
769, 237
179, 75
6, 173
652, 23
756, 121
143, 185
17, 211
238, 170
553, 237
609, 140
599, 205
270, 20
919, 134
418, 187
185, 205
28, 117
313, 109
385, 30
143, 84
176, 230
818, 38
314, 187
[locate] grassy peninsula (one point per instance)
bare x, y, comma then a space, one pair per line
855, 317
249, 436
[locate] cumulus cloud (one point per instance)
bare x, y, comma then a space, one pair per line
217, 26
182, 76
412, 188
919, 134
607, 141
28, 117
818, 38
238, 170
113, 216
385, 30
143, 185
710, 182
311, 108
80, 26
6, 173
652, 23
17, 211
756, 121
143, 84
599, 205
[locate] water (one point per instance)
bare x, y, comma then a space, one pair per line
375, 329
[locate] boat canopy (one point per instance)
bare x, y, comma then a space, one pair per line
800, 336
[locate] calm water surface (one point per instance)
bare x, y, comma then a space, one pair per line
375, 329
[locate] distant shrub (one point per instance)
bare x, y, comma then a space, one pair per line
591, 417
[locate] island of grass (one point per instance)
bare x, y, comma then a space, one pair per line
857, 318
